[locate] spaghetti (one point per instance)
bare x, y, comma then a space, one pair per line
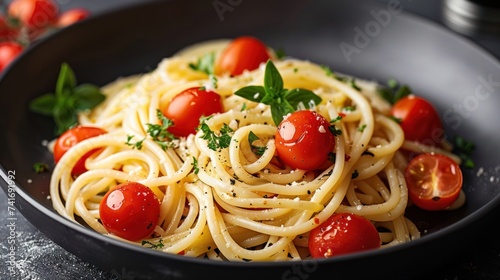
230, 203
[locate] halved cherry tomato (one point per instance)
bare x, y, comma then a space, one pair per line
71, 16
341, 234
8, 52
70, 138
419, 120
304, 140
186, 109
34, 14
434, 181
130, 211
243, 53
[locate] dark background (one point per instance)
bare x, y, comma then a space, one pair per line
39, 258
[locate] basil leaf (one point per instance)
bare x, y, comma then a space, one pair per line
300, 96
64, 116
279, 112
272, 78
87, 96
44, 104
271, 97
66, 81
252, 137
252, 93
67, 100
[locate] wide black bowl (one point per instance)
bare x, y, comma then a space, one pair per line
365, 39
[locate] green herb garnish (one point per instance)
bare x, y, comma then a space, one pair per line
281, 100
216, 142
464, 150
204, 64
40, 167
195, 165
393, 91
355, 174
136, 145
362, 128
158, 132
353, 84
151, 245
68, 100
258, 150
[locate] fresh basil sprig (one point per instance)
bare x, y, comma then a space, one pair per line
281, 100
68, 100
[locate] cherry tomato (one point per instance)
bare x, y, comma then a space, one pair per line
8, 52
71, 16
186, 109
419, 120
304, 140
70, 138
34, 14
434, 181
130, 211
341, 234
243, 53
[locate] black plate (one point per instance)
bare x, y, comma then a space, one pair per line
364, 39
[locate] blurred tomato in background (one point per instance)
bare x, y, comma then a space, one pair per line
25, 21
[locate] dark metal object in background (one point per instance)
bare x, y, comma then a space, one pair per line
473, 17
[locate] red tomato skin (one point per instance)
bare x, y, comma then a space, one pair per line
341, 234
186, 109
442, 168
34, 14
8, 52
130, 211
70, 138
71, 16
419, 120
243, 53
304, 140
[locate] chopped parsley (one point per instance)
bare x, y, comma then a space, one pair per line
158, 132
216, 141
204, 64
393, 91
362, 128
195, 165
151, 245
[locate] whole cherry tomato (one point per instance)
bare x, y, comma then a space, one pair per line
243, 53
304, 140
8, 52
130, 211
419, 120
34, 14
70, 138
434, 181
341, 234
186, 109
